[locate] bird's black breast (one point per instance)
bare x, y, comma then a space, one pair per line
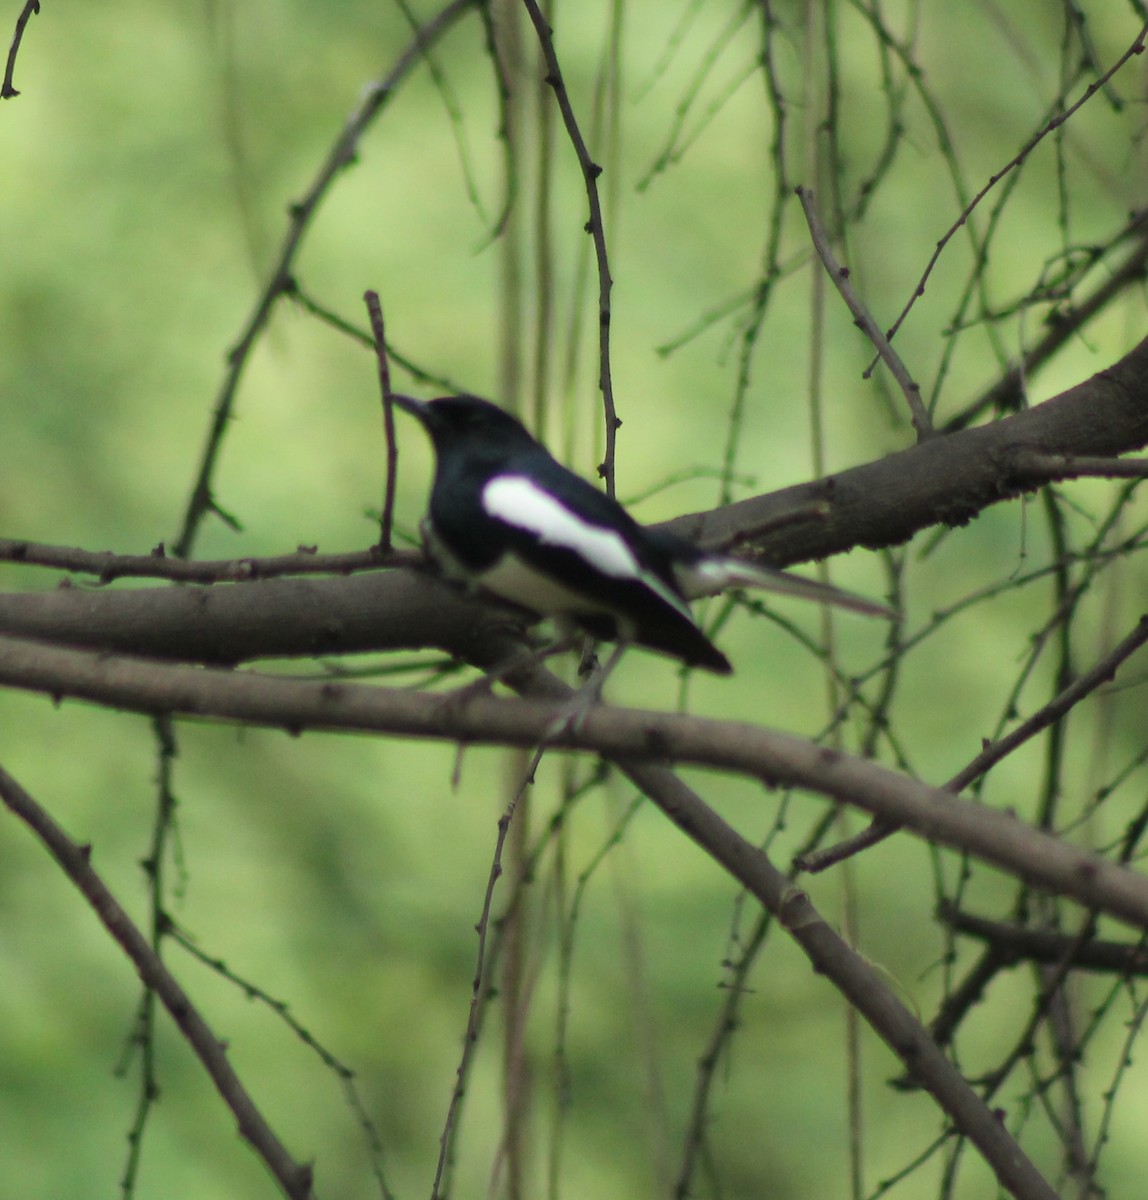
466, 531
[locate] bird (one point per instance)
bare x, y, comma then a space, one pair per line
506, 519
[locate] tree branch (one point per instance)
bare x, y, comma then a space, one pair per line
294, 1178
1013, 943
777, 759
640, 742
107, 566
946, 479
8, 89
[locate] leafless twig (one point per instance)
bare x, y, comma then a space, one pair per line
594, 227
7, 88
470, 1037
840, 277
378, 328
294, 1178
279, 282
992, 753
1095, 86
106, 566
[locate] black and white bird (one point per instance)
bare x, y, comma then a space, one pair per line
506, 518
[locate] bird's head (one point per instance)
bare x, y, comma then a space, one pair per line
457, 421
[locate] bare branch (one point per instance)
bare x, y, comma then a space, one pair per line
378, 328
621, 734
861, 317
107, 566
993, 752
341, 155
594, 227
294, 1178
8, 88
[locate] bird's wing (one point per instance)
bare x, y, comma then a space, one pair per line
592, 548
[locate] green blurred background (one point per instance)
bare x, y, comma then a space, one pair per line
148, 166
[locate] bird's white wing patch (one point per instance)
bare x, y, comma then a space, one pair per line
520, 502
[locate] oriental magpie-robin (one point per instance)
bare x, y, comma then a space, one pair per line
507, 519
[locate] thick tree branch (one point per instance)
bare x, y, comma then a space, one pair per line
777, 759
944, 480
947, 479
637, 741
277, 618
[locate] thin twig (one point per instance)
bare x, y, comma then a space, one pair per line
1047, 467
840, 277
470, 1038
75, 860
155, 869
992, 753
378, 328
1137, 47
594, 227
7, 88
315, 308
345, 1075
106, 566
279, 283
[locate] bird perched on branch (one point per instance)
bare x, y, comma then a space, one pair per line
507, 519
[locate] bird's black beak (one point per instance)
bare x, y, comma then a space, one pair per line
419, 409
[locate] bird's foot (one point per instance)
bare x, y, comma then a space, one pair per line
589, 695
523, 659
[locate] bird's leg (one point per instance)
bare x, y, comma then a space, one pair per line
588, 660
600, 672
570, 719
518, 660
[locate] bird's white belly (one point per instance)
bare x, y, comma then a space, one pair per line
514, 580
